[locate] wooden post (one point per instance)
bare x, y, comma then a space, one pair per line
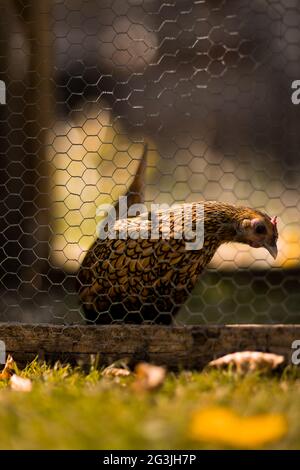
178, 347
26, 215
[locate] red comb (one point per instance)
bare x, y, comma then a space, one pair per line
274, 220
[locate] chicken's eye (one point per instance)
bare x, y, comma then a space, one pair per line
260, 229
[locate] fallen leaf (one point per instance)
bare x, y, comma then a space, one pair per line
20, 384
115, 372
223, 426
9, 369
248, 361
148, 376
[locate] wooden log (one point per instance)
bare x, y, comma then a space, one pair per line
176, 347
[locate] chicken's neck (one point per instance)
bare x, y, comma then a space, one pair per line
220, 222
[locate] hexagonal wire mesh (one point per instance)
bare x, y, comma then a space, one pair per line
206, 83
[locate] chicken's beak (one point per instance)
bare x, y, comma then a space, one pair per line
272, 249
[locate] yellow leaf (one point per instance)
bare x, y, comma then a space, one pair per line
222, 426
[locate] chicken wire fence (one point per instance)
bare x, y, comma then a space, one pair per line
207, 84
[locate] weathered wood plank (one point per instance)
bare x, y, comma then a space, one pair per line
175, 347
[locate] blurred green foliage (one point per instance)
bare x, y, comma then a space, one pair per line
68, 409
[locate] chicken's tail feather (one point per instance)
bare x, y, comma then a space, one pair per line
136, 191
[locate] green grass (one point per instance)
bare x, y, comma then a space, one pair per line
68, 409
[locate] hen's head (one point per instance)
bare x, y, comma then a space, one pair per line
257, 230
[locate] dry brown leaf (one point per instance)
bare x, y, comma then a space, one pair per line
20, 384
9, 369
115, 372
148, 376
248, 361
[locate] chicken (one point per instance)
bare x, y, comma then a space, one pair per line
137, 280
145, 278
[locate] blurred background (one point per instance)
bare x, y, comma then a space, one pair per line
206, 83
